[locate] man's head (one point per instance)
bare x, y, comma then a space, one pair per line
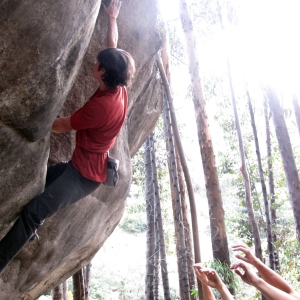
115, 68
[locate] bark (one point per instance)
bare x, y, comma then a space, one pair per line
263, 186
58, 293
287, 156
79, 285
186, 224
195, 236
158, 217
179, 231
88, 269
271, 182
252, 219
297, 111
65, 290
217, 222
150, 223
156, 265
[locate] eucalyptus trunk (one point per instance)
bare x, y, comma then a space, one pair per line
271, 181
156, 264
58, 293
178, 221
263, 186
65, 290
158, 218
290, 168
150, 223
252, 219
297, 111
169, 112
79, 285
87, 272
213, 191
186, 224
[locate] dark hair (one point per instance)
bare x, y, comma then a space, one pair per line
119, 67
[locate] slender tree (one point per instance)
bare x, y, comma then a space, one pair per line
65, 289
271, 180
177, 210
163, 66
158, 220
87, 272
263, 185
252, 219
58, 293
297, 111
150, 223
287, 155
156, 264
186, 223
79, 285
213, 191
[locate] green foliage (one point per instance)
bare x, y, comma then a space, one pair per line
225, 273
134, 223
194, 292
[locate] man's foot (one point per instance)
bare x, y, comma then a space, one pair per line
34, 237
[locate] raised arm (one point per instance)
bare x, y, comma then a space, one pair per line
210, 278
265, 272
112, 12
249, 277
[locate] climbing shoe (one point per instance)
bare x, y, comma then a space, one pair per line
34, 237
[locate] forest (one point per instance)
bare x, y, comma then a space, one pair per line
221, 165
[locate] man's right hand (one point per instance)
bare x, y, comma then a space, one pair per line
248, 276
249, 256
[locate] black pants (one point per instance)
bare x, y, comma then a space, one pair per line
64, 186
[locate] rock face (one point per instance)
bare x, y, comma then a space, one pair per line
46, 47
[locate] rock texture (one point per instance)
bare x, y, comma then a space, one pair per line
45, 47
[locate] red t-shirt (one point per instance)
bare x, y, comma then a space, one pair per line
97, 123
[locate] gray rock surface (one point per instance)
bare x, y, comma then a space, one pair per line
45, 47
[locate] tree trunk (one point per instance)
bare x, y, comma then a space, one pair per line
297, 111
158, 217
287, 156
252, 219
181, 249
58, 293
171, 112
150, 223
217, 223
79, 285
271, 181
186, 224
263, 186
88, 269
65, 290
156, 264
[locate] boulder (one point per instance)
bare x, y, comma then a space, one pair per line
48, 49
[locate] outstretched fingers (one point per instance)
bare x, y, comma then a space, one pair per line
249, 257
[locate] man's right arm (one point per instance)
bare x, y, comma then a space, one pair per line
61, 125
265, 272
249, 277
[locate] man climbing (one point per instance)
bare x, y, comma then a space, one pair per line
97, 123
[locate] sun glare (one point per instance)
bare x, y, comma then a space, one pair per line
264, 45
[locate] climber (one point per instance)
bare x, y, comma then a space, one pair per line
97, 123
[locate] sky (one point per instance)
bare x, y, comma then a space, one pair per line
263, 46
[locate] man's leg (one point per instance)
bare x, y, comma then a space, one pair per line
53, 172
65, 190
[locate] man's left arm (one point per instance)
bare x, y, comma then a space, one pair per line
112, 12
61, 125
